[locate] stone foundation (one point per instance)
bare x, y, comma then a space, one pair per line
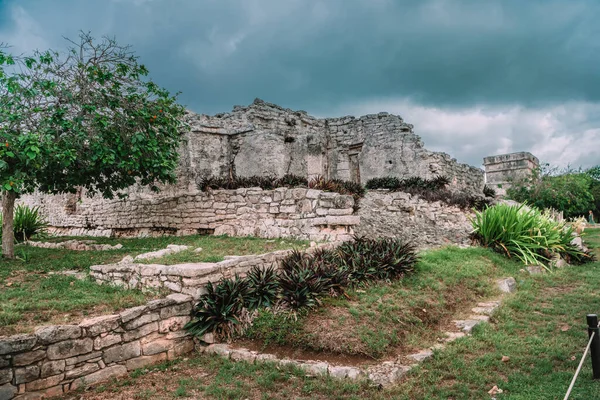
58, 359
188, 278
426, 224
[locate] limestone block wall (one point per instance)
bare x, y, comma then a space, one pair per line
295, 213
60, 358
501, 169
190, 278
427, 224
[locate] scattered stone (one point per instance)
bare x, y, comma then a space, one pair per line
171, 249
198, 250
467, 325
76, 245
220, 349
505, 358
421, 356
507, 285
535, 269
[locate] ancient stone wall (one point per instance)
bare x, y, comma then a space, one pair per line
298, 213
501, 170
426, 224
58, 359
264, 138
190, 278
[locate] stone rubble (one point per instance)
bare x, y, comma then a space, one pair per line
77, 245
171, 249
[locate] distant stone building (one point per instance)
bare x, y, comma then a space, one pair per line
501, 170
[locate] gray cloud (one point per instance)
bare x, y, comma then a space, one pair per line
474, 77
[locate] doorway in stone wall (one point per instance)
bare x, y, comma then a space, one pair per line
353, 162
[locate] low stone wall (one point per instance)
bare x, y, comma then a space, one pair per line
398, 214
58, 359
188, 278
297, 213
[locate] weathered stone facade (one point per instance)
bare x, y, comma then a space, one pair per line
298, 213
426, 224
500, 170
58, 359
265, 139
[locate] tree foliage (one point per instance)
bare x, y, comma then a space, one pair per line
87, 118
569, 190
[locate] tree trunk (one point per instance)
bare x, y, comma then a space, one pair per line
8, 234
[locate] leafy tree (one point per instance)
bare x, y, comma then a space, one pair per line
594, 173
568, 191
86, 118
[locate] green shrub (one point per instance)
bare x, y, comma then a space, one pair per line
376, 259
219, 309
264, 182
526, 234
569, 191
263, 288
301, 284
27, 222
431, 190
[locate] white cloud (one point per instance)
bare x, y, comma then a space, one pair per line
561, 135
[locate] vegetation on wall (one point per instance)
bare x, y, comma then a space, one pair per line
435, 189
527, 234
301, 282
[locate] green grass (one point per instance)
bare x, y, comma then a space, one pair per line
404, 314
541, 328
30, 295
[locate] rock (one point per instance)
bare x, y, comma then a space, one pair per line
23, 359
140, 332
6, 375
219, 348
46, 383
243, 355
106, 341
132, 313
507, 285
315, 368
122, 352
51, 368
157, 346
57, 333
421, 356
70, 348
85, 369
198, 250
535, 269
101, 376
7, 391
144, 361
17, 344
104, 323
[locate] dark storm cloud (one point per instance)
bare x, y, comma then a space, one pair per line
450, 58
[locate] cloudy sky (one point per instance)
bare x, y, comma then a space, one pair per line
475, 77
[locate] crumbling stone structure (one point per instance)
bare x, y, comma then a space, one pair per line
265, 139
501, 170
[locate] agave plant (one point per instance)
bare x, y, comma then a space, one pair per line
489, 191
219, 309
526, 234
28, 221
301, 287
263, 287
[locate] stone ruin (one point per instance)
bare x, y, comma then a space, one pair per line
501, 170
265, 139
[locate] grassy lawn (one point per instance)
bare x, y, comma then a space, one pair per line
382, 320
541, 329
30, 295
